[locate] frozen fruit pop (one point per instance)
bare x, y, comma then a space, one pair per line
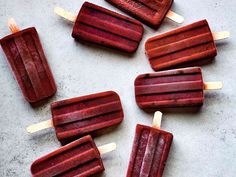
26, 57
80, 158
73, 118
172, 88
151, 12
184, 46
150, 150
101, 26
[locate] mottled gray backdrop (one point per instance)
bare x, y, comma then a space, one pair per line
204, 143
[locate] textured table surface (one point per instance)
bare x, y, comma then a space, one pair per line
204, 142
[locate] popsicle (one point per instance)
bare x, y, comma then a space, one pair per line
173, 88
80, 158
150, 12
101, 26
76, 117
184, 46
28, 62
150, 150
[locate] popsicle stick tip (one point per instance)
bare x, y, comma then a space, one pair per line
213, 85
12, 25
39, 126
67, 15
157, 120
175, 17
221, 35
107, 148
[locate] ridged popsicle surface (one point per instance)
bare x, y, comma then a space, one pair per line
151, 12
182, 46
149, 153
79, 116
168, 89
80, 158
26, 57
98, 25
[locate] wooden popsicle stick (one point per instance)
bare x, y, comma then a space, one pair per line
213, 85
175, 17
107, 148
157, 120
13, 26
220, 35
40, 126
67, 15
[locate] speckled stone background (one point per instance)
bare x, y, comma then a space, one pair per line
204, 142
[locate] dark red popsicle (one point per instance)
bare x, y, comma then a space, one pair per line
98, 25
150, 152
26, 57
79, 116
80, 158
151, 12
168, 89
184, 46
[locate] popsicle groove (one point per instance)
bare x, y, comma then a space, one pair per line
150, 151
89, 33
197, 53
23, 77
78, 158
105, 15
114, 33
86, 114
180, 34
169, 87
91, 167
148, 155
166, 79
82, 127
42, 73
83, 102
60, 157
29, 65
104, 26
140, 150
180, 45
149, 5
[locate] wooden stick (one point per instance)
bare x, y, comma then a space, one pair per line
40, 126
67, 15
213, 85
107, 148
175, 17
157, 120
13, 26
220, 35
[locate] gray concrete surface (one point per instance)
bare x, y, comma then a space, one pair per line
204, 143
